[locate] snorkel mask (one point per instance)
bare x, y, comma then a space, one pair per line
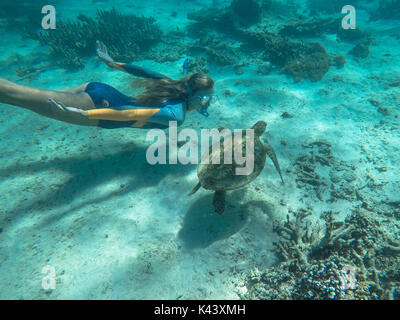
205, 101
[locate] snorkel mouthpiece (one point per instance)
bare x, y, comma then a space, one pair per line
205, 100
204, 112
185, 66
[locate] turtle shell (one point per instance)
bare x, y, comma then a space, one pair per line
223, 176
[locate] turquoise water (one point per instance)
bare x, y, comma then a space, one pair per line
84, 215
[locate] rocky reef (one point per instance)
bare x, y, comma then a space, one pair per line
126, 35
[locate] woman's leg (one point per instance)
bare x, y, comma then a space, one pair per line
37, 100
77, 89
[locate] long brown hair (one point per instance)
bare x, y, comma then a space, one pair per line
158, 91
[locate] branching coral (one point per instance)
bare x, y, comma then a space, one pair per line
126, 36
355, 259
297, 240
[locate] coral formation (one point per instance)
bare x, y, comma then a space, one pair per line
297, 59
352, 35
29, 72
354, 259
241, 13
264, 68
247, 11
313, 66
167, 50
388, 9
198, 64
314, 63
308, 167
216, 51
361, 50
222, 55
339, 61
310, 28
221, 20
126, 35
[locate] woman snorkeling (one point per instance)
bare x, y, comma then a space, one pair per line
97, 104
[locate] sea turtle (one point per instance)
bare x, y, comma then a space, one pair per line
222, 177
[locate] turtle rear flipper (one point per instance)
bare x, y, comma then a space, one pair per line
197, 187
271, 153
219, 201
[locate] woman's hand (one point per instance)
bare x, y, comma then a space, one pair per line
70, 110
103, 55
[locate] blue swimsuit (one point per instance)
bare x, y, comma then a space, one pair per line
116, 110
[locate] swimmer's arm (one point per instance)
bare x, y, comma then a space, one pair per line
138, 71
102, 53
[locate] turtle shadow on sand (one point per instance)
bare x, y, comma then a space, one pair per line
202, 227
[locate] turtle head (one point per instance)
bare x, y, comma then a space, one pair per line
259, 128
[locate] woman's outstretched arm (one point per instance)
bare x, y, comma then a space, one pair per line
135, 70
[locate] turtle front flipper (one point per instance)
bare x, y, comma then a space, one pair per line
271, 153
219, 201
197, 187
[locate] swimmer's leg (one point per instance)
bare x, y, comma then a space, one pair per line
77, 89
37, 100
